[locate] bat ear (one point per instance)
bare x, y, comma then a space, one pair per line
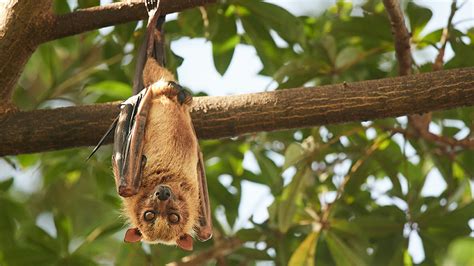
132, 235
185, 242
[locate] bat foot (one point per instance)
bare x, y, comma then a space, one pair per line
184, 97
126, 192
204, 235
151, 4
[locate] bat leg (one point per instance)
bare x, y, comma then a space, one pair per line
204, 230
184, 97
142, 167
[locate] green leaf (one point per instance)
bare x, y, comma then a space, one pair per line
77, 260
29, 256
347, 57
289, 27
419, 17
254, 254
430, 38
329, 44
64, 230
287, 204
99, 233
298, 71
88, 3
61, 7
27, 160
6, 184
293, 155
224, 41
250, 234
341, 252
390, 250
189, 23
306, 251
114, 90
40, 240
257, 35
460, 252
375, 29
269, 170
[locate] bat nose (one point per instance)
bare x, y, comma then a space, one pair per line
163, 193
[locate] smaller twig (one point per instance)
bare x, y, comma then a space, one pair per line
205, 20
462, 21
327, 212
220, 250
466, 143
401, 36
438, 64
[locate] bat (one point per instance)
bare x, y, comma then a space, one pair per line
157, 163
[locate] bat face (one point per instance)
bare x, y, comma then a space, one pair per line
165, 210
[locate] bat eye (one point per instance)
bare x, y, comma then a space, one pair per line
149, 216
173, 218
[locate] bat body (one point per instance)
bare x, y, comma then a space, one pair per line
172, 169
157, 163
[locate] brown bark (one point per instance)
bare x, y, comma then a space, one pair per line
228, 116
113, 14
222, 249
419, 123
24, 25
401, 36
18, 22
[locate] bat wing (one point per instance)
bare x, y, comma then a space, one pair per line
204, 231
127, 159
101, 141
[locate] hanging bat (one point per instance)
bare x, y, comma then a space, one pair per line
157, 162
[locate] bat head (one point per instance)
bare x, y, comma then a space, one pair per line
166, 213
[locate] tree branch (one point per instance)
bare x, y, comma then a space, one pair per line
401, 36
228, 116
439, 61
222, 249
17, 42
420, 122
93, 18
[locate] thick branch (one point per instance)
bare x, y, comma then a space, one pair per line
102, 16
17, 28
401, 36
228, 116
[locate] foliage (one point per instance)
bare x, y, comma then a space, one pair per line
348, 194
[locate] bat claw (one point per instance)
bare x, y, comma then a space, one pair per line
151, 5
127, 191
184, 97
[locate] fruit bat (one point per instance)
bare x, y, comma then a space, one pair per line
157, 162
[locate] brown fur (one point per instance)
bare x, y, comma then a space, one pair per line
171, 148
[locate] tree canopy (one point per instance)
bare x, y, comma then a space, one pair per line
357, 193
